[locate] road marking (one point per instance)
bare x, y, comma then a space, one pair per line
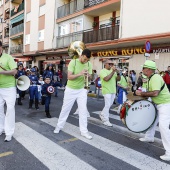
6, 154
49, 153
68, 140
128, 155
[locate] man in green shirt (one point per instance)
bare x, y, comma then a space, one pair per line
160, 95
108, 77
77, 70
7, 94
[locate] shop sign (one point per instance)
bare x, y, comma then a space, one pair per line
123, 52
53, 58
161, 50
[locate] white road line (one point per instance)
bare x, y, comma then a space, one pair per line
116, 117
49, 153
121, 152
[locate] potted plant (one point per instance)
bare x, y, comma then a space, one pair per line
94, 24
112, 19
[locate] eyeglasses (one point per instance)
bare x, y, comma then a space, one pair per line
110, 64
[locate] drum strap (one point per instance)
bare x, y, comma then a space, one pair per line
125, 78
161, 87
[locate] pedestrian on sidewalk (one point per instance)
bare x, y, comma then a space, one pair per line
77, 69
108, 77
160, 95
7, 94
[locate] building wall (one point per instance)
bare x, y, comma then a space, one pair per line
147, 17
34, 25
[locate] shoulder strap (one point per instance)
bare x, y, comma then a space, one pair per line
125, 78
160, 88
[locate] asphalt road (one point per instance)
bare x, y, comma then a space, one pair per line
35, 146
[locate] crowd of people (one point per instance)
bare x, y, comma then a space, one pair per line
41, 87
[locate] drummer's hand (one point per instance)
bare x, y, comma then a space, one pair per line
138, 92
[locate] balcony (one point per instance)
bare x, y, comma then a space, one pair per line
18, 9
65, 40
16, 49
89, 36
89, 3
16, 30
103, 34
70, 8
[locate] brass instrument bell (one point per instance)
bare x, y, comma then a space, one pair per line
75, 49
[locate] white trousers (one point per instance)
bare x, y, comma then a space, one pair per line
108, 99
7, 121
70, 96
164, 123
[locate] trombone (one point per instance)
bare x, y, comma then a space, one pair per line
161, 73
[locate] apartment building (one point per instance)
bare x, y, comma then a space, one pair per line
4, 23
39, 30
116, 29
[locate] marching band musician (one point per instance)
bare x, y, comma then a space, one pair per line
75, 91
108, 77
33, 89
46, 91
20, 72
160, 95
7, 94
123, 87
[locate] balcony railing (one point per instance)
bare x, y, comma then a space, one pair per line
89, 36
17, 29
64, 41
89, 3
103, 34
16, 49
70, 8
17, 10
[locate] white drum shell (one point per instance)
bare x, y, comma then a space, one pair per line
140, 116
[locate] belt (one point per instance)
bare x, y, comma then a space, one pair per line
33, 85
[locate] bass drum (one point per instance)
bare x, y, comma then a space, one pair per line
138, 116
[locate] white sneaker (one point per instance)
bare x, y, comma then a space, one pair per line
146, 140
86, 135
76, 112
57, 130
8, 138
101, 117
107, 123
165, 157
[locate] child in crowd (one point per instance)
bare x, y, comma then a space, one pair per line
40, 88
47, 90
33, 89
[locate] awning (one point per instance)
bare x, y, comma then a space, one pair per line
17, 19
23, 59
52, 62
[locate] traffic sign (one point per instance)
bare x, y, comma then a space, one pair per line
148, 46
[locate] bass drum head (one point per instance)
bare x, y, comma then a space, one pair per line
140, 116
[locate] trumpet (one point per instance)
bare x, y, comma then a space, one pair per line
86, 80
161, 73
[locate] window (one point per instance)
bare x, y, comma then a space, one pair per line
1, 2
28, 17
41, 35
76, 26
62, 30
42, 10
27, 39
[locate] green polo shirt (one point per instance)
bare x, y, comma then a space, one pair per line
155, 83
108, 87
8, 63
123, 82
75, 66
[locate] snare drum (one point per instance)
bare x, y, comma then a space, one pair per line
138, 116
